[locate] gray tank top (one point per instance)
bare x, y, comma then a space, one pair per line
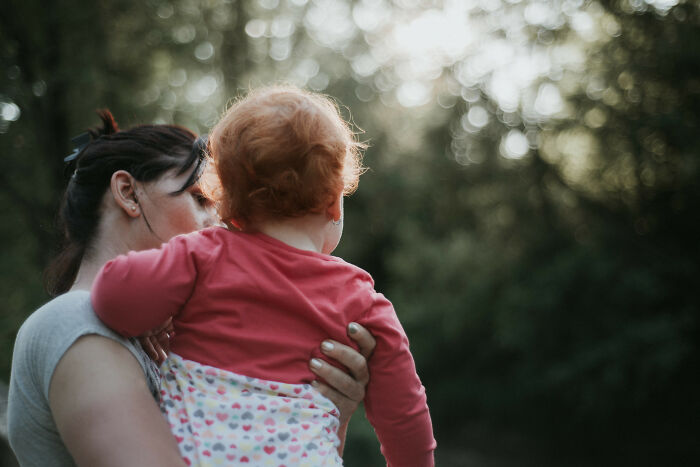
41, 342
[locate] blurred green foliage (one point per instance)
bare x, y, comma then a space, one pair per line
543, 262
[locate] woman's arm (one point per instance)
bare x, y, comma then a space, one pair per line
345, 390
104, 411
129, 430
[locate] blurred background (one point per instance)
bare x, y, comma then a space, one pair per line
529, 208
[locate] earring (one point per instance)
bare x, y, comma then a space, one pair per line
133, 208
335, 222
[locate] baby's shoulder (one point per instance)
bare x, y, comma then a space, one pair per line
354, 273
216, 237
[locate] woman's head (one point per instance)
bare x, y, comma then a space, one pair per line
149, 160
281, 152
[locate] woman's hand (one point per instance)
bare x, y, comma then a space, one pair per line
345, 390
156, 343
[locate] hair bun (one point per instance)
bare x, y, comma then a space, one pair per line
80, 142
109, 125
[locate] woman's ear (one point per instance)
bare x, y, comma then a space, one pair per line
123, 187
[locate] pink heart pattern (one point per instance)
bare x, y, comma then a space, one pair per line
222, 418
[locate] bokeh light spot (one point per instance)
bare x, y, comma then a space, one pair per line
548, 101
514, 145
165, 11
413, 94
39, 88
177, 77
478, 117
255, 28
9, 111
184, 34
204, 51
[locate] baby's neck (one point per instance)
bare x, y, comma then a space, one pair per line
304, 233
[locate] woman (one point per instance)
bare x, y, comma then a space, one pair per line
77, 390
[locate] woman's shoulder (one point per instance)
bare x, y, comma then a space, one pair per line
44, 337
57, 314
61, 321
50, 331
56, 324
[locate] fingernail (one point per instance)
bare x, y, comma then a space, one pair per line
327, 346
316, 363
353, 328
314, 383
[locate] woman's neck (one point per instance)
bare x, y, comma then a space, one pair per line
108, 244
90, 266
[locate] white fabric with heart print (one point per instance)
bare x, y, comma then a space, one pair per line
222, 418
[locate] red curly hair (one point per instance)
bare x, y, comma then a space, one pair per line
282, 152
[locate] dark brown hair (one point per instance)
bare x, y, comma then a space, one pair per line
146, 151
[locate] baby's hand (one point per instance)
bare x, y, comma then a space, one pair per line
156, 342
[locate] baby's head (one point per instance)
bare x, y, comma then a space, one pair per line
282, 153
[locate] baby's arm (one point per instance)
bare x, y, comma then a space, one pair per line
396, 404
138, 292
345, 390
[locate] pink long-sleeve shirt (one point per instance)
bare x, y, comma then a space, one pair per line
248, 303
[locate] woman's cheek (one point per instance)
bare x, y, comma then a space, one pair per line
202, 217
211, 217
183, 219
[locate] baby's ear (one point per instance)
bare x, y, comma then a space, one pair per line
335, 209
123, 188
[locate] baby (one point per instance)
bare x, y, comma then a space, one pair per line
248, 302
